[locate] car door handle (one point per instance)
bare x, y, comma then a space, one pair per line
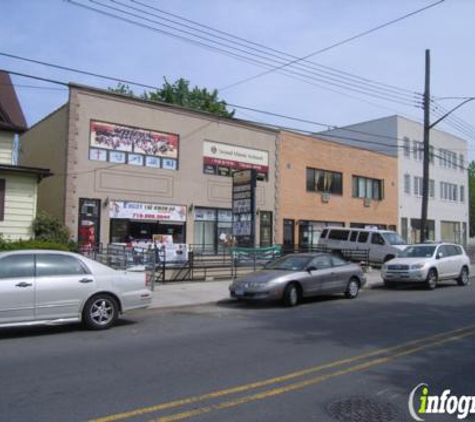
86, 280
23, 284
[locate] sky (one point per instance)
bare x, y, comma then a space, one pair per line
60, 32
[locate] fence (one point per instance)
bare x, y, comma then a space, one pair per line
201, 263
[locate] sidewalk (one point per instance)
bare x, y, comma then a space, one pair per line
202, 292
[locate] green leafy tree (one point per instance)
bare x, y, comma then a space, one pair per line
471, 190
179, 93
122, 89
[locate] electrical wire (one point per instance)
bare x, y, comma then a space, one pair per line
252, 58
288, 56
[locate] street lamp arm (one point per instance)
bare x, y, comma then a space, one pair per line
451, 111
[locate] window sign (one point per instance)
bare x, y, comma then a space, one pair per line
97, 154
117, 157
169, 164
124, 144
152, 162
136, 160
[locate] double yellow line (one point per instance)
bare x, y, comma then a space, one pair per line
386, 355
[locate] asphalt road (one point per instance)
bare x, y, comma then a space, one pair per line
233, 362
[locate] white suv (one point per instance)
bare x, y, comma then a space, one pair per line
428, 263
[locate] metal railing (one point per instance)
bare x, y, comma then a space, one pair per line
201, 264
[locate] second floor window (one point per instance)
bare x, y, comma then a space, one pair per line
324, 181
364, 187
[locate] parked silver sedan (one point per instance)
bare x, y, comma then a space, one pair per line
296, 276
52, 287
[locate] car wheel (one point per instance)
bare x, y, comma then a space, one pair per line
291, 295
353, 288
100, 312
464, 277
431, 280
388, 258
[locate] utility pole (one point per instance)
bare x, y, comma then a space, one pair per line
426, 155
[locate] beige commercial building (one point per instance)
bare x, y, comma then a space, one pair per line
323, 183
127, 168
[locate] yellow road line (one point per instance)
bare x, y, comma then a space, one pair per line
305, 383
270, 381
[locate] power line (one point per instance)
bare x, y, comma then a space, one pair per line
368, 91
300, 120
286, 55
345, 41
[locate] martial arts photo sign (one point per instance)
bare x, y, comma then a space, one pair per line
244, 205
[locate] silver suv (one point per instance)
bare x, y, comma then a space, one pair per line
428, 263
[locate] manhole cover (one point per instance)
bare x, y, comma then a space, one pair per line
362, 409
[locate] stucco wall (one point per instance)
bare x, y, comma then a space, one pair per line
297, 152
44, 146
188, 185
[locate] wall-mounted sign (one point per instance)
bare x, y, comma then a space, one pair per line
222, 159
144, 211
124, 144
244, 187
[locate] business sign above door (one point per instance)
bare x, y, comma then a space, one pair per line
144, 211
223, 159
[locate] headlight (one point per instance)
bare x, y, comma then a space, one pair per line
417, 266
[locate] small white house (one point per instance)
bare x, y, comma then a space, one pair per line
18, 184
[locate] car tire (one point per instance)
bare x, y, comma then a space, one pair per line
353, 288
431, 280
464, 277
291, 295
100, 312
388, 258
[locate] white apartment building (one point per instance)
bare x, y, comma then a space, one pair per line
448, 187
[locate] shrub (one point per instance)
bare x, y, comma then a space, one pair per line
36, 244
49, 228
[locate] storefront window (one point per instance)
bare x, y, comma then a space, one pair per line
416, 230
310, 231
212, 230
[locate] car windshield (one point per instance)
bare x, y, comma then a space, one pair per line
425, 251
290, 263
393, 239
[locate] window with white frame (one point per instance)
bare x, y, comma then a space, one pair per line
417, 186
418, 150
431, 188
448, 191
461, 162
407, 183
407, 147
462, 193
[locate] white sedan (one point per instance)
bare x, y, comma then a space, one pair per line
40, 287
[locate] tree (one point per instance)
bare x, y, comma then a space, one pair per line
471, 193
122, 89
179, 93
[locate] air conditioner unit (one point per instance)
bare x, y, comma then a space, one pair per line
367, 202
325, 197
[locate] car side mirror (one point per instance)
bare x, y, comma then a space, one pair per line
439, 255
311, 268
